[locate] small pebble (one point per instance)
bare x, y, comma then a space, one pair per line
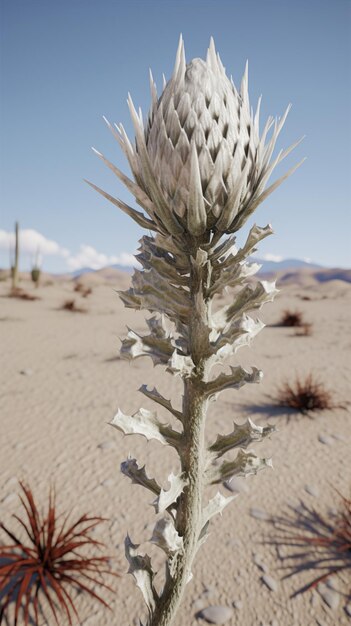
312, 490
281, 552
338, 437
331, 598
108, 482
259, 514
106, 445
270, 582
235, 543
333, 511
238, 604
348, 609
216, 614
333, 583
236, 485
257, 559
326, 440
26, 372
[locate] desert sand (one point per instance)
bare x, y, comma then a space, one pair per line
62, 381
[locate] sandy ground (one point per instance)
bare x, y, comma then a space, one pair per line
62, 381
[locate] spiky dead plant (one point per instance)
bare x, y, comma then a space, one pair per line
49, 563
71, 305
292, 318
200, 168
320, 544
305, 396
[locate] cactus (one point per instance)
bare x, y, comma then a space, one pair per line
14, 265
35, 275
200, 169
36, 271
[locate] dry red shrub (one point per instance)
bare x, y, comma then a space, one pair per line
305, 396
292, 318
70, 305
315, 542
49, 562
22, 295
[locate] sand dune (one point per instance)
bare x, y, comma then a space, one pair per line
61, 383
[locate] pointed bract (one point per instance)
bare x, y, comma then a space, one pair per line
200, 163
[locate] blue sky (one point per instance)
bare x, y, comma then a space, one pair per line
65, 64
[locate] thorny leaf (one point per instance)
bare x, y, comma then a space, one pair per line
140, 568
256, 234
245, 464
235, 274
215, 506
226, 339
145, 423
241, 437
180, 365
138, 475
166, 498
154, 395
134, 346
247, 299
166, 537
238, 377
150, 291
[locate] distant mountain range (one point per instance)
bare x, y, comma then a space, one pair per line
88, 270
268, 267
287, 271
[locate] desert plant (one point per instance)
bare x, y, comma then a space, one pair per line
36, 271
35, 275
200, 169
305, 395
49, 562
292, 318
19, 293
70, 305
87, 291
14, 264
84, 291
315, 542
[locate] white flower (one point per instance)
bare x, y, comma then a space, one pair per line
200, 163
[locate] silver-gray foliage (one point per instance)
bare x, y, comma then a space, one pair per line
200, 169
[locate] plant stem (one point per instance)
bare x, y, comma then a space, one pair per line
15, 265
189, 514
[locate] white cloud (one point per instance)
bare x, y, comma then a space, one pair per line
31, 242
89, 257
276, 258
